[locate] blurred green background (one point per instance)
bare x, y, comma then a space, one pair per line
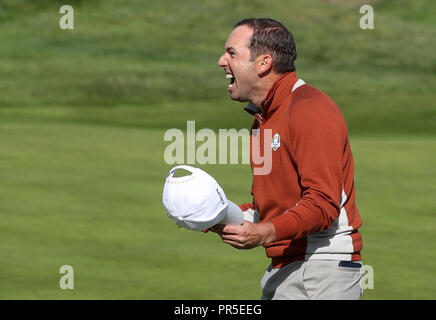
83, 114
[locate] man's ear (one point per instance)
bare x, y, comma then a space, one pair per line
264, 64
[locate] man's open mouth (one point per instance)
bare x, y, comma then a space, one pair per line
232, 79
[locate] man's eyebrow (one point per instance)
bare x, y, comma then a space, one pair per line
230, 48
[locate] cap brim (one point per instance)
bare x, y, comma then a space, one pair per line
234, 214
199, 224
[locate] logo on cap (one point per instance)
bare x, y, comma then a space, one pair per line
221, 197
275, 144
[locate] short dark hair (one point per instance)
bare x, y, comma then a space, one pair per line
272, 37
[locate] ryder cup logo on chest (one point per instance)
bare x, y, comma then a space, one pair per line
275, 144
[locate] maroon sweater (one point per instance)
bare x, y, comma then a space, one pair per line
309, 193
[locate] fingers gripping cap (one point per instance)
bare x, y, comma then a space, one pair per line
195, 201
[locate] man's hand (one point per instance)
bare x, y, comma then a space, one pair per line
246, 236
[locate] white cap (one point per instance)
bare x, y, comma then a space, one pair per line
197, 201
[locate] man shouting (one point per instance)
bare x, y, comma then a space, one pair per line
308, 220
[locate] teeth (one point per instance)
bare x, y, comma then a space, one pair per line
230, 76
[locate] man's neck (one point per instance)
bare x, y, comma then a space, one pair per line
264, 87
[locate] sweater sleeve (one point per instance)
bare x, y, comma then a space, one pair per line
316, 133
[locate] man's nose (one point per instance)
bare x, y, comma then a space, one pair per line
222, 62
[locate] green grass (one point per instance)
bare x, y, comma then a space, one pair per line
394, 181
82, 118
70, 199
89, 195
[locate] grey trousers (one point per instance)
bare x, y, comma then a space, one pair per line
313, 279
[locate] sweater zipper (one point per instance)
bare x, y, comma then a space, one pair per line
259, 118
